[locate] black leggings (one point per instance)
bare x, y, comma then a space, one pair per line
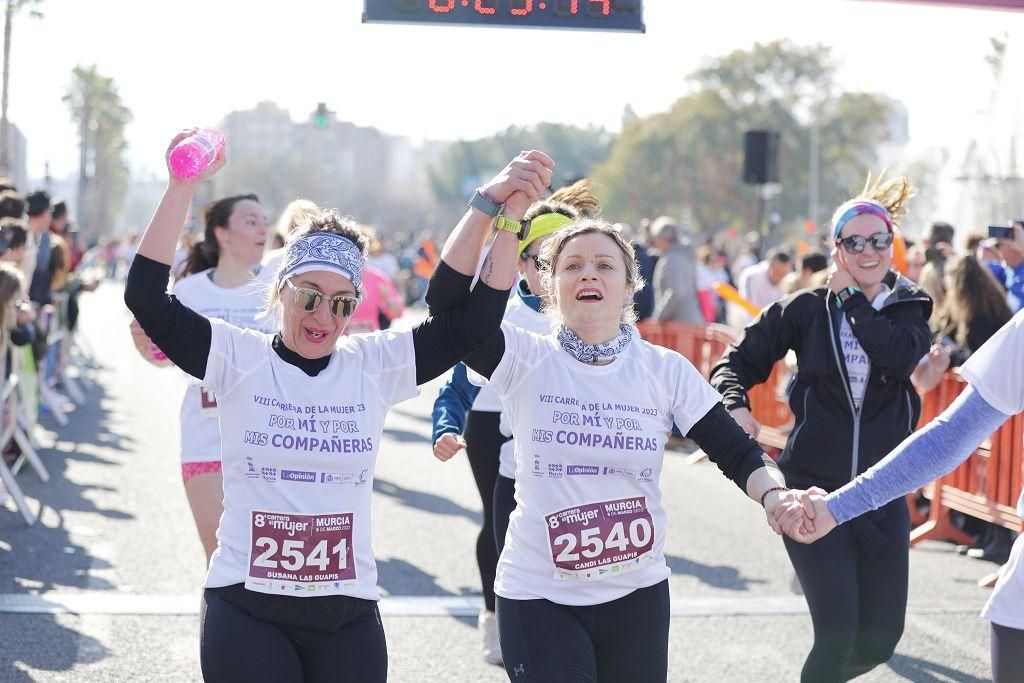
249, 637
621, 640
1007, 654
855, 582
483, 447
504, 504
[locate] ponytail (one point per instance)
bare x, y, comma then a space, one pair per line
206, 252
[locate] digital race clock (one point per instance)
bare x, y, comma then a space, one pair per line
608, 15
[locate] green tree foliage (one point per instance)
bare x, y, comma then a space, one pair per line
101, 117
689, 159
466, 164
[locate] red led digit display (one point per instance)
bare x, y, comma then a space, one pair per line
608, 15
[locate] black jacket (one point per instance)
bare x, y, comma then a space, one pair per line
831, 442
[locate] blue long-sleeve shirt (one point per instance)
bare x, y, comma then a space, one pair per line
453, 403
923, 457
1015, 287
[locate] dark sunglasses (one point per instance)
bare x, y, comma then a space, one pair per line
855, 244
537, 261
309, 300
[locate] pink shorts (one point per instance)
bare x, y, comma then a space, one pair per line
191, 469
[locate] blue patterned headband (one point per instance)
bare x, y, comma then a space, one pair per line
323, 251
856, 207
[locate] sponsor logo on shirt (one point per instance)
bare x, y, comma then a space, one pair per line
538, 471
298, 475
250, 469
555, 470
337, 478
268, 473
361, 479
646, 474
573, 470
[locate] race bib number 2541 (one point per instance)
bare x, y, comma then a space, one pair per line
597, 540
302, 549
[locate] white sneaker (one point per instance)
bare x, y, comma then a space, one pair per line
487, 622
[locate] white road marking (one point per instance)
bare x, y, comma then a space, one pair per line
115, 603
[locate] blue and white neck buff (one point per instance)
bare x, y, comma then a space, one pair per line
591, 353
323, 251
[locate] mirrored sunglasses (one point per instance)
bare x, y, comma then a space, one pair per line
309, 300
855, 244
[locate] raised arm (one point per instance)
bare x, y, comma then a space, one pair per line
525, 176
447, 337
181, 333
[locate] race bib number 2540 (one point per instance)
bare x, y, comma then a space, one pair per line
597, 540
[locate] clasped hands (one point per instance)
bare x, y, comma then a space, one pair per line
801, 515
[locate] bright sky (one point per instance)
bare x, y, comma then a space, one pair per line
189, 62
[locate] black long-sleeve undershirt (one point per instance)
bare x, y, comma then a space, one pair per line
735, 453
185, 336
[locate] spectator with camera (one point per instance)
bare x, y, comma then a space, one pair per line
1011, 249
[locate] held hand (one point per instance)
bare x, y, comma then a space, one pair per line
447, 445
529, 173
207, 173
746, 421
840, 278
516, 205
785, 510
824, 522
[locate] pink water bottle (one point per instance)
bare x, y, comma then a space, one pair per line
191, 156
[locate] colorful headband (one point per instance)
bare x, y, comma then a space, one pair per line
856, 207
323, 251
542, 225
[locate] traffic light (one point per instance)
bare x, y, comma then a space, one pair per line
320, 118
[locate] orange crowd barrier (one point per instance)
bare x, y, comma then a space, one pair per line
986, 486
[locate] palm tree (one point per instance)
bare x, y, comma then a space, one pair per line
101, 117
13, 6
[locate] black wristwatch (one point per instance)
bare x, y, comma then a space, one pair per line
843, 294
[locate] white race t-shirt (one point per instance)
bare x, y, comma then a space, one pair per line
521, 315
589, 526
299, 454
858, 366
200, 433
996, 371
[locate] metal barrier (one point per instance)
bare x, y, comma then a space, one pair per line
985, 486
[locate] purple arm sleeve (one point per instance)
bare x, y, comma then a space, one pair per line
923, 457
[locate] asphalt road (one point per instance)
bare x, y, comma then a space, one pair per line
106, 585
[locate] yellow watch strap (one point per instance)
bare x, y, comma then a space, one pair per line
508, 225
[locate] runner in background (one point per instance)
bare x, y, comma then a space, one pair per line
469, 417
292, 588
285, 227
857, 341
995, 373
381, 302
218, 281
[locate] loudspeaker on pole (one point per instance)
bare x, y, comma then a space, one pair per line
761, 157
